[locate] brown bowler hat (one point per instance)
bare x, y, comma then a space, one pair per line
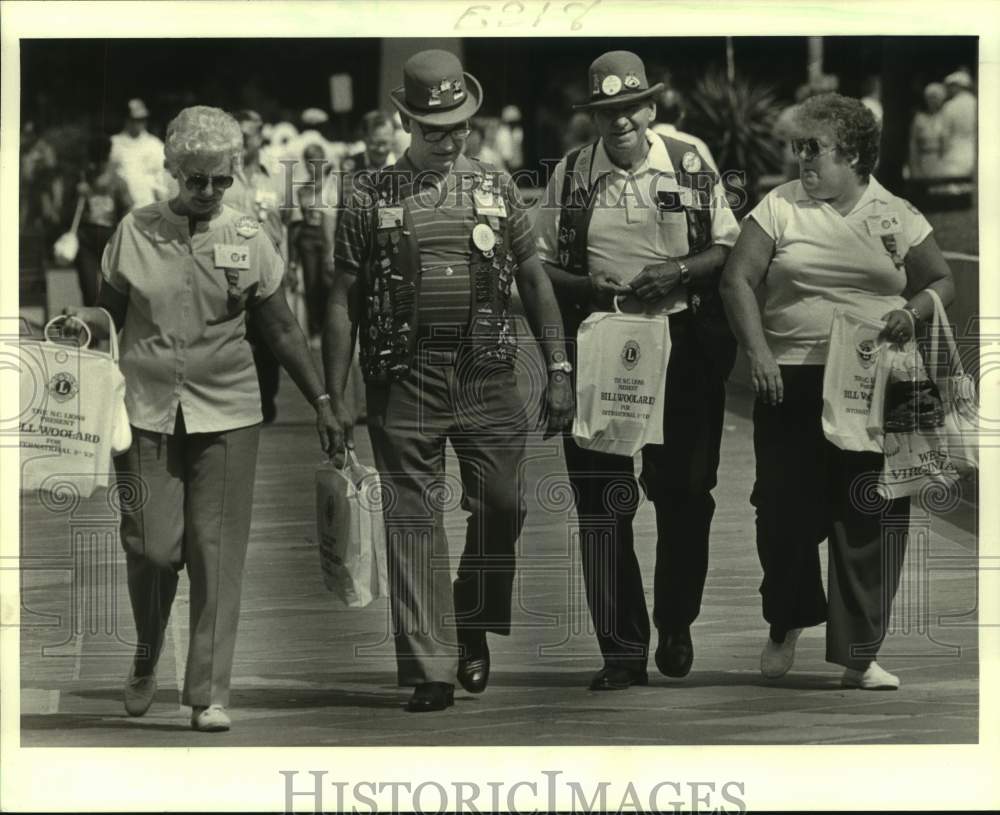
617, 78
436, 91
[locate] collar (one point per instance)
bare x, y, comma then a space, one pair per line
182, 220
405, 165
874, 192
656, 159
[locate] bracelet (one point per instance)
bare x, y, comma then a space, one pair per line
323, 397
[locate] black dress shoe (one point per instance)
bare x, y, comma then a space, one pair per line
613, 677
474, 664
430, 696
675, 653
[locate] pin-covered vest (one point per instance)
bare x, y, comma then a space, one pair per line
389, 291
697, 182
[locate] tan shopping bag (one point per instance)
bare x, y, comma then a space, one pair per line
351, 531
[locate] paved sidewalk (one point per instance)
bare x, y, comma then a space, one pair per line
311, 672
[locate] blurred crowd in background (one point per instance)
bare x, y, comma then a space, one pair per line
78, 176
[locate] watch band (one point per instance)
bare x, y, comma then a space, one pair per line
685, 272
913, 313
564, 366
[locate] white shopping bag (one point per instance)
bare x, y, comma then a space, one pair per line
621, 363
907, 420
849, 379
73, 416
351, 531
958, 393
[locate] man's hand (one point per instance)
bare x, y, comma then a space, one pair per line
559, 404
604, 287
656, 280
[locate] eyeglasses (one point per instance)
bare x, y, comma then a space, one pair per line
810, 148
435, 134
198, 182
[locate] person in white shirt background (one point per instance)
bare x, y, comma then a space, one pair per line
139, 157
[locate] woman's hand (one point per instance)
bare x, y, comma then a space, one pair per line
94, 318
335, 425
899, 325
766, 377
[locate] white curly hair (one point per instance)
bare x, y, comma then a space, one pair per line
203, 131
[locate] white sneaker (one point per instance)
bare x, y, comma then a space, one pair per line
211, 719
777, 657
873, 677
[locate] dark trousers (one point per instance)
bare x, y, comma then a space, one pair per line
187, 500
93, 239
808, 490
312, 248
677, 477
482, 414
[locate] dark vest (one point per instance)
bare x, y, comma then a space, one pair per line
388, 291
705, 313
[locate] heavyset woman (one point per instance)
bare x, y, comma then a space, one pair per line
813, 245
179, 277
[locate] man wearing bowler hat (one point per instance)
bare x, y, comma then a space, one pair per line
644, 217
425, 255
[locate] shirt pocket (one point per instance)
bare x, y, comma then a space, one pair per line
671, 232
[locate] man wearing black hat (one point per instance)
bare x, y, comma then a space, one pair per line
644, 217
431, 246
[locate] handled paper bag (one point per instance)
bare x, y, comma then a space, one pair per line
849, 380
620, 382
73, 416
351, 531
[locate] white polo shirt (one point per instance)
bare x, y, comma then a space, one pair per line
824, 260
184, 341
627, 229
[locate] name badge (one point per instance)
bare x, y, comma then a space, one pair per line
228, 256
489, 203
885, 224
390, 217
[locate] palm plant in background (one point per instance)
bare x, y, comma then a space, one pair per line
736, 119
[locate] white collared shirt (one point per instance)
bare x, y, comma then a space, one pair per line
627, 230
824, 260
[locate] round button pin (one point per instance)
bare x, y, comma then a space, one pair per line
483, 238
611, 85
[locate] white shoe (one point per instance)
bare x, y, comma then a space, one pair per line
211, 719
777, 657
873, 677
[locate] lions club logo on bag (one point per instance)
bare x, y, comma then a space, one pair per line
867, 351
630, 355
63, 386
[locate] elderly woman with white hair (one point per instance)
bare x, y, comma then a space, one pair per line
179, 277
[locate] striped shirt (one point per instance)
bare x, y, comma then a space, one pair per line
443, 222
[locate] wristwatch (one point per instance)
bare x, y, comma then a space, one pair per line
564, 366
685, 272
913, 313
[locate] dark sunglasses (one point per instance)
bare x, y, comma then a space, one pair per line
810, 148
436, 134
198, 182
